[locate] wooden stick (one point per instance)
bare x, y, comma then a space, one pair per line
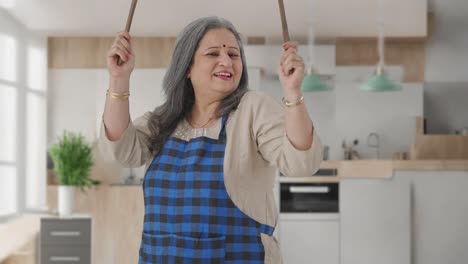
284, 23
129, 23
130, 15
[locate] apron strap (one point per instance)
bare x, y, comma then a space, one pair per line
222, 132
265, 229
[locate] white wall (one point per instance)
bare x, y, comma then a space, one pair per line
72, 107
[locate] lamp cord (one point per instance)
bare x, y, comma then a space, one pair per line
310, 35
381, 40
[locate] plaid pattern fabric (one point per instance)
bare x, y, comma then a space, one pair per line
189, 217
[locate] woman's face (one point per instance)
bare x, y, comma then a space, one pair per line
217, 65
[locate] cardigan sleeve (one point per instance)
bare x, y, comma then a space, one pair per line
273, 143
131, 149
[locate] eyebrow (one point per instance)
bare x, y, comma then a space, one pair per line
218, 47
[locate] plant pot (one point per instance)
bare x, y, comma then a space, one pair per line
66, 199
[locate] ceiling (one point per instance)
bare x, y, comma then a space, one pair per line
331, 18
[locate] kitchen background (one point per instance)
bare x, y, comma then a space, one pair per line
53, 77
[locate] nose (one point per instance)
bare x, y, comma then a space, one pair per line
225, 59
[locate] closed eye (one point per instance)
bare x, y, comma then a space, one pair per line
216, 54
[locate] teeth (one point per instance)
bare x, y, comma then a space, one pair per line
223, 73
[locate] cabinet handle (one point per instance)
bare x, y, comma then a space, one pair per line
309, 189
70, 259
65, 233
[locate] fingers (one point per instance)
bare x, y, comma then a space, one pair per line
290, 59
288, 66
118, 51
123, 35
290, 44
123, 43
121, 46
286, 53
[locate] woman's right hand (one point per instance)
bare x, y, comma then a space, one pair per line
121, 48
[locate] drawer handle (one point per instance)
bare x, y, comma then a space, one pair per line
65, 233
309, 189
70, 259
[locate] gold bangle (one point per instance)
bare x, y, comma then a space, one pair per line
289, 104
121, 96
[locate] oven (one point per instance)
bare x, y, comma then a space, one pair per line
309, 197
302, 195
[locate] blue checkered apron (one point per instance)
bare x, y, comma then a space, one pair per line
189, 217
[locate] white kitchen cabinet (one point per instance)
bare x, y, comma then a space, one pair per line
439, 215
309, 238
375, 218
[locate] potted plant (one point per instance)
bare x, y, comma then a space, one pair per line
72, 158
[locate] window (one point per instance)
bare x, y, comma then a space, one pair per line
8, 129
23, 71
8, 125
8, 54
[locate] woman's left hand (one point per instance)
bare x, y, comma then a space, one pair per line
291, 70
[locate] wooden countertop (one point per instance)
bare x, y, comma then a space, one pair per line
385, 168
378, 169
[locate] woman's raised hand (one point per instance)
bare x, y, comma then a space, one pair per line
121, 48
291, 69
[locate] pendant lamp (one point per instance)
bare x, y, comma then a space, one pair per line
312, 82
380, 82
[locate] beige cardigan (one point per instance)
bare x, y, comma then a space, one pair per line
256, 146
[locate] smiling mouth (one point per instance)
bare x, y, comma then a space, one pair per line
223, 75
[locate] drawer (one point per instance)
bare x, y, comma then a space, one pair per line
65, 255
65, 232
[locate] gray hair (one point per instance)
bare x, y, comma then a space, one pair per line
178, 88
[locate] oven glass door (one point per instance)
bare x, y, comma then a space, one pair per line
309, 197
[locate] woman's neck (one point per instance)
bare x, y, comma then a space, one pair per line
203, 112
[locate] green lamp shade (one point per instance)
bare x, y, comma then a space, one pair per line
312, 83
380, 83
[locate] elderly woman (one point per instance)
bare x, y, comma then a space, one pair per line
211, 149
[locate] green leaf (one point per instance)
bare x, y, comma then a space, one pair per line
73, 160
